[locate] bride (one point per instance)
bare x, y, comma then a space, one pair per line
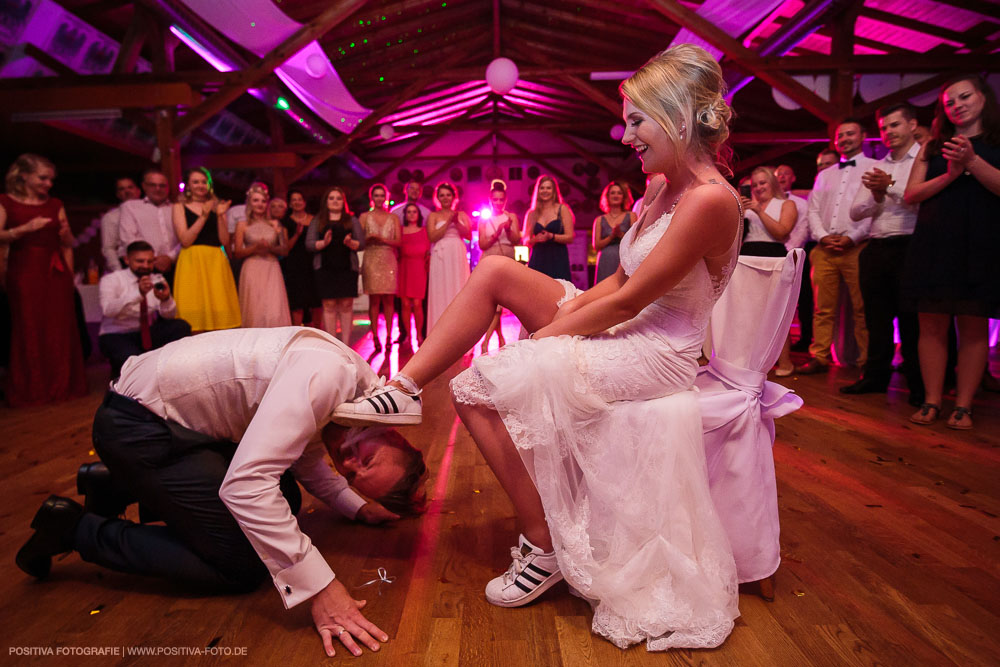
610, 488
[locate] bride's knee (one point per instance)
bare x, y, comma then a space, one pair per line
493, 265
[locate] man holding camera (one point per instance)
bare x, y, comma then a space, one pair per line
139, 311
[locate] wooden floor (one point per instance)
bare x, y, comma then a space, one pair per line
890, 555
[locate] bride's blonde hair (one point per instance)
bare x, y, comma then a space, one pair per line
682, 88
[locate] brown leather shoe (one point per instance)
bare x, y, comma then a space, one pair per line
812, 367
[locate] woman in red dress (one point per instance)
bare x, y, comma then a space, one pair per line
46, 360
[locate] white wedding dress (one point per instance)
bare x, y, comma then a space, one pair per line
623, 479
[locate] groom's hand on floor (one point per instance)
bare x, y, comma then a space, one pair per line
373, 513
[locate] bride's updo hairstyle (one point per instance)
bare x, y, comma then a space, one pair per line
683, 87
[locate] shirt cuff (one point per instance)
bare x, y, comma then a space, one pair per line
349, 502
303, 580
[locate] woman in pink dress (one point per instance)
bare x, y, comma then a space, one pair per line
260, 240
46, 360
413, 258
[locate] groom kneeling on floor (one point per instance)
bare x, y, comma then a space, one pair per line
200, 433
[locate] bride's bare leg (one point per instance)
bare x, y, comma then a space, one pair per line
530, 295
498, 449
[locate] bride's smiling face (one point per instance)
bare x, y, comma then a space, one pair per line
650, 141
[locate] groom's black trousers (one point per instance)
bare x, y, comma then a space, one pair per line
175, 474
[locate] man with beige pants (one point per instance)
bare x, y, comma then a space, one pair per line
840, 239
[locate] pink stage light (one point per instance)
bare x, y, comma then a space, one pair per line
212, 59
485, 213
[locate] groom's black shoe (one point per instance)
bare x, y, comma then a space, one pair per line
54, 524
93, 482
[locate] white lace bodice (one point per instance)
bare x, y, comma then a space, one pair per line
682, 313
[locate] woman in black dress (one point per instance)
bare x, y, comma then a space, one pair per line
951, 267
297, 265
335, 236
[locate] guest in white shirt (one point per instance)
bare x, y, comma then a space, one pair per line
111, 247
839, 240
139, 311
880, 263
149, 219
199, 432
413, 190
799, 238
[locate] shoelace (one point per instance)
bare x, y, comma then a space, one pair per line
380, 386
517, 566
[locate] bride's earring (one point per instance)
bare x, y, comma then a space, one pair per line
684, 128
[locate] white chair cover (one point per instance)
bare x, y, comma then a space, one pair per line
748, 329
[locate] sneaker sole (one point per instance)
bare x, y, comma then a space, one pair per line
530, 597
368, 420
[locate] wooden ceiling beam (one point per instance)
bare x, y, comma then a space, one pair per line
566, 178
871, 63
21, 95
985, 8
767, 156
303, 11
568, 23
381, 56
588, 90
265, 66
242, 161
596, 45
734, 49
457, 17
586, 154
517, 155
464, 154
366, 125
421, 146
913, 24
131, 46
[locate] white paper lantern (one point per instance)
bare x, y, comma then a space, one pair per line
501, 75
387, 132
617, 132
316, 65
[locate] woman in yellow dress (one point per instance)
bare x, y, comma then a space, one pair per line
204, 288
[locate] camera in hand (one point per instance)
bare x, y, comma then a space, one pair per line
160, 286
745, 191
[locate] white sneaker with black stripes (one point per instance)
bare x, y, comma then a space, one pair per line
387, 404
532, 573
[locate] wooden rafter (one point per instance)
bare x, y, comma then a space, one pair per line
461, 155
586, 89
869, 63
27, 95
131, 46
766, 156
912, 24
422, 145
809, 100
265, 66
545, 163
363, 127
586, 154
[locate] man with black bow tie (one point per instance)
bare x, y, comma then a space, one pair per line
840, 239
